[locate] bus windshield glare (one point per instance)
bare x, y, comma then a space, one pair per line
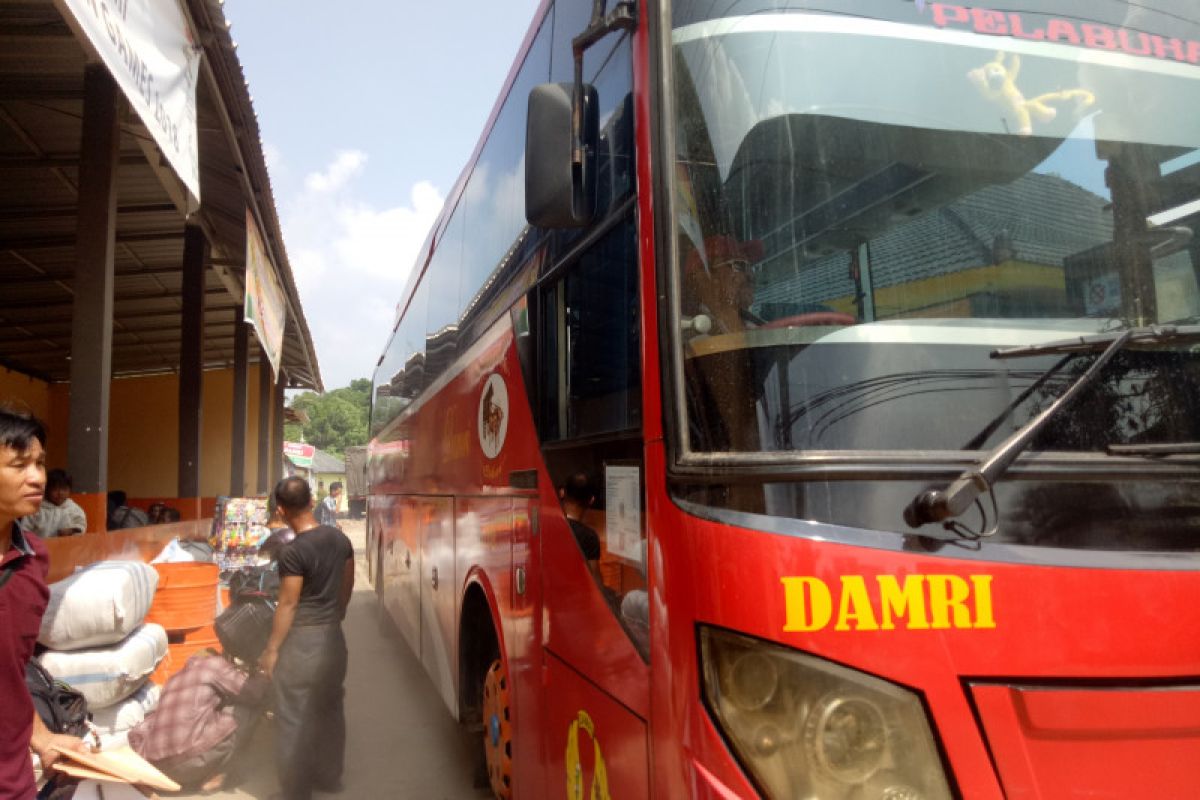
872, 197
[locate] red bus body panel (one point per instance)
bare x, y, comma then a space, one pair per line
1072, 682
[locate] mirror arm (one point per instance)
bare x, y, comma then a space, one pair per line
623, 17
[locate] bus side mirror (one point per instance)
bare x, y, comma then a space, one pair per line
558, 192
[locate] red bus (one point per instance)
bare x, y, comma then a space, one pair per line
801, 398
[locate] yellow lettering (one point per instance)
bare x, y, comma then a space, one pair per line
915, 602
808, 605
897, 602
983, 601
946, 593
855, 605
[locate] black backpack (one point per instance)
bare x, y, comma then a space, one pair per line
62, 708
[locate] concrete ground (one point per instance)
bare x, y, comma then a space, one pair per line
401, 740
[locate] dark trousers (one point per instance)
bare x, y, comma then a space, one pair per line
310, 720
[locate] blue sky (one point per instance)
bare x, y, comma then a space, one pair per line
368, 112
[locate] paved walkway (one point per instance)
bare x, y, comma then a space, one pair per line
401, 740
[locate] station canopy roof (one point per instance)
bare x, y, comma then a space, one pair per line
42, 63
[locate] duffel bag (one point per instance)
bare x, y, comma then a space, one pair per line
254, 583
244, 629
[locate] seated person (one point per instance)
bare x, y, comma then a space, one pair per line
169, 514
204, 718
718, 284
122, 516
59, 514
577, 497
154, 514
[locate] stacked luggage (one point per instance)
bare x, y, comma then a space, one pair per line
99, 642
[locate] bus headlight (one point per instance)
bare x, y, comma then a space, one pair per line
805, 727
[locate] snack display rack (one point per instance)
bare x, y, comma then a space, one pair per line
239, 527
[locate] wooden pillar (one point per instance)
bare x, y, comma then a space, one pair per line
191, 369
91, 330
265, 397
277, 430
241, 369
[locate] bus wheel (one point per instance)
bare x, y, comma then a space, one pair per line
497, 730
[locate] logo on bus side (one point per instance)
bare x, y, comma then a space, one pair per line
597, 787
492, 421
916, 602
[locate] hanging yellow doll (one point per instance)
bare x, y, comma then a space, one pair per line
998, 83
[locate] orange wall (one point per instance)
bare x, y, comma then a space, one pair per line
143, 444
143, 447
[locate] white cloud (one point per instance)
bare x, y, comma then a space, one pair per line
351, 260
345, 166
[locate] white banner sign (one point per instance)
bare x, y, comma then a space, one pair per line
152, 55
264, 306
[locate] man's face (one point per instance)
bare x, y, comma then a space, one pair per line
22, 480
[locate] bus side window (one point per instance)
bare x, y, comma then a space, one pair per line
590, 398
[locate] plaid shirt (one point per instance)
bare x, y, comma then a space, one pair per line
195, 712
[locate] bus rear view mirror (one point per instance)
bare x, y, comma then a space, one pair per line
560, 189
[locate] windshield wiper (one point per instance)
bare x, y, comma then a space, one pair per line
1151, 334
943, 505
1166, 449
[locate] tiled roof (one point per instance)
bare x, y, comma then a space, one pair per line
1044, 218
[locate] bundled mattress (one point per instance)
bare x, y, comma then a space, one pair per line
107, 675
99, 605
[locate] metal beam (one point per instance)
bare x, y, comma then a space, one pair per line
59, 161
34, 280
35, 213
127, 298
51, 242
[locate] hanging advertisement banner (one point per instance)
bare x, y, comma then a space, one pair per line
152, 54
264, 307
299, 453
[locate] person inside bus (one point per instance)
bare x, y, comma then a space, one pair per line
718, 284
59, 514
577, 497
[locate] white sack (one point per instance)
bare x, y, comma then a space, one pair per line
99, 605
107, 675
129, 712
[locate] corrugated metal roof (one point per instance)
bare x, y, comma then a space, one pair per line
41, 106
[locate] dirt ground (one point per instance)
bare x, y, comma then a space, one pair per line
401, 740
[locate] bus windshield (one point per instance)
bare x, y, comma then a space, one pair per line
871, 198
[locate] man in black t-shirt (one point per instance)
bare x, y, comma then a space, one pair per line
306, 654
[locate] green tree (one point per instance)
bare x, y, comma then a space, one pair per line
336, 420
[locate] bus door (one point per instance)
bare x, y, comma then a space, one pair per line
438, 590
592, 532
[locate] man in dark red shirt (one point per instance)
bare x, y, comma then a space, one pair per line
23, 596
306, 654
